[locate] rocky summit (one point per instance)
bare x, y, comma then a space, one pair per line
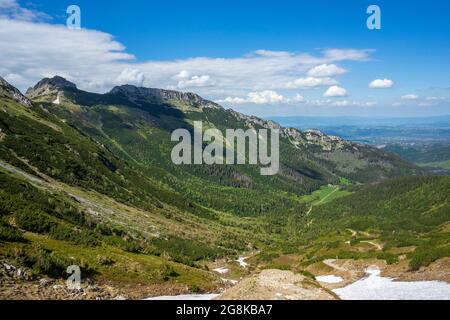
50, 86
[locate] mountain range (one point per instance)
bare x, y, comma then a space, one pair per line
89, 177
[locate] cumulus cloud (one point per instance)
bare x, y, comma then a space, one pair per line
95, 61
194, 81
335, 91
326, 70
182, 75
381, 84
131, 76
265, 97
32, 48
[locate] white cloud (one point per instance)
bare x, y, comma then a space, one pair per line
131, 76
233, 100
270, 97
296, 99
32, 49
94, 60
326, 70
269, 53
413, 99
435, 98
410, 97
258, 97
182, 75
195, 81
343, 103
310, 82
335, 91
11, 9
381, 84
347, 54
263, 97
340, 103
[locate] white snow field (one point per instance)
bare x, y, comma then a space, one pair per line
375, 287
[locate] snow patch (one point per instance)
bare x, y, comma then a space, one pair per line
58, 100
375, 287
221, 270
329, 279
242, 262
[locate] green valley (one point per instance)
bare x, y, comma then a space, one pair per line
86, 179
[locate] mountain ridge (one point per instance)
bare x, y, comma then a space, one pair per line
170, 110
141, 95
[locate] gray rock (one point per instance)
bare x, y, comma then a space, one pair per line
137, 94
50, 86
7, 90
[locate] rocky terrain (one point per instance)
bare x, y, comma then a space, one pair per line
275, 284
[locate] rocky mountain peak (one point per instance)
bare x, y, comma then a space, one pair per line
7, 90
49, 86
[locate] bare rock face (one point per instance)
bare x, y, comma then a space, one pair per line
253, 121
136, 94
278, 285
8, 91
50, 86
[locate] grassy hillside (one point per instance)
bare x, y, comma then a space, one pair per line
423, 153
408, 216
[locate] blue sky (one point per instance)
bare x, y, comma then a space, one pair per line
259, 57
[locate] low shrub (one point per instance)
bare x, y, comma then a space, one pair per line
424, 256
9, 233
84, 237
165, 272
34, 221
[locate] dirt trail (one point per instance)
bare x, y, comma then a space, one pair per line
376, 245
331, 263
